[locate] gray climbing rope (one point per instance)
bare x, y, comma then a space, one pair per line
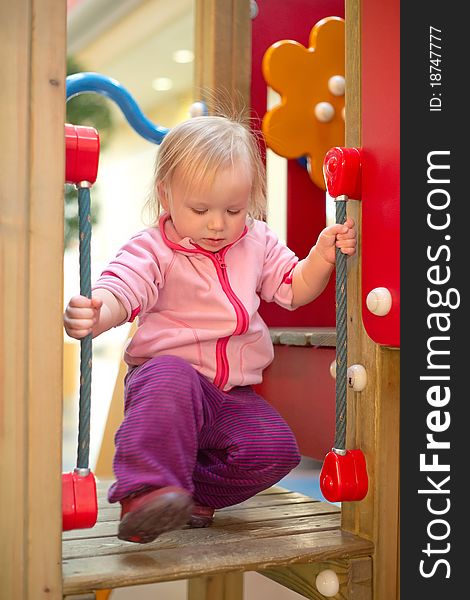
84, 218
341, 335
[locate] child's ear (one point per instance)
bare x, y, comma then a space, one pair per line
162, 196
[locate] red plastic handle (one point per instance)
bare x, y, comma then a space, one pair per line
342, 172
344, 477
79, 501
82, 150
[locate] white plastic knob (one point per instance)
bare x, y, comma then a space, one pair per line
327, 583
357, 377
379, 301
337, 85
333, 369
324, 111
254, 10
343, 113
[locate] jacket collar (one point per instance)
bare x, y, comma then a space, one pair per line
186, 244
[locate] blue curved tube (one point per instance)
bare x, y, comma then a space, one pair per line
100, 84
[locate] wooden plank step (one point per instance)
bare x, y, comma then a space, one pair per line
102, 545
138, 568
273, 529
109, 528
258, 508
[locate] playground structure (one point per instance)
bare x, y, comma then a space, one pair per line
32, 209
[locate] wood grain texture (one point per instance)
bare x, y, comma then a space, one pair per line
355, 578
276, 528
228, 586
223, 53
31, 304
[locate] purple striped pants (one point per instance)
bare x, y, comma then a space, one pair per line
180, 429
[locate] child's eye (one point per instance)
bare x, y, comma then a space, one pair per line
233, 212
199, 211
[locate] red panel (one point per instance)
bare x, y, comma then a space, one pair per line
299, 385
278, 20
381, 164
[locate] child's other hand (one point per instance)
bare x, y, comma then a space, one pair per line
81, 315
337, 236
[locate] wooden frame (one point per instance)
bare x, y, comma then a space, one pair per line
31, 271
374, 414
223, 29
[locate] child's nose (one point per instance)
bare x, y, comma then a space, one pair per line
216, 223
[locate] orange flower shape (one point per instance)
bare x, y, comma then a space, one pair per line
310, 118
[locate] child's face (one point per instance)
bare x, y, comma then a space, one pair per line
213, 216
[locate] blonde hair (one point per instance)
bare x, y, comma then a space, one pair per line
201, 146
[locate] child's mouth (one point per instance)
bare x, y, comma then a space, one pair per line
213, 241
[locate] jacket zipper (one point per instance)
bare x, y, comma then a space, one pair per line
222, 371
222, 365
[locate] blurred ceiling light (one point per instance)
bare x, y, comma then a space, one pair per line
162, 84
183, 56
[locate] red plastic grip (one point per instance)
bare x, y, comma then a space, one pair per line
82, 150
79, 501
342, 172
344, 477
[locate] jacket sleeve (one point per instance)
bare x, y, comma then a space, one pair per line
135, 275
276, 279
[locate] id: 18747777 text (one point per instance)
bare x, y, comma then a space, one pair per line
435, 75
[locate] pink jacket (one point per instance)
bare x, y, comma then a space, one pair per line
200, 305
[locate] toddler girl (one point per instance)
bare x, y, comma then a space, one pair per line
195, 436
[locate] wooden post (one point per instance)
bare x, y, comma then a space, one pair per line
32, 37
223, 53
373, 415
226, 586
